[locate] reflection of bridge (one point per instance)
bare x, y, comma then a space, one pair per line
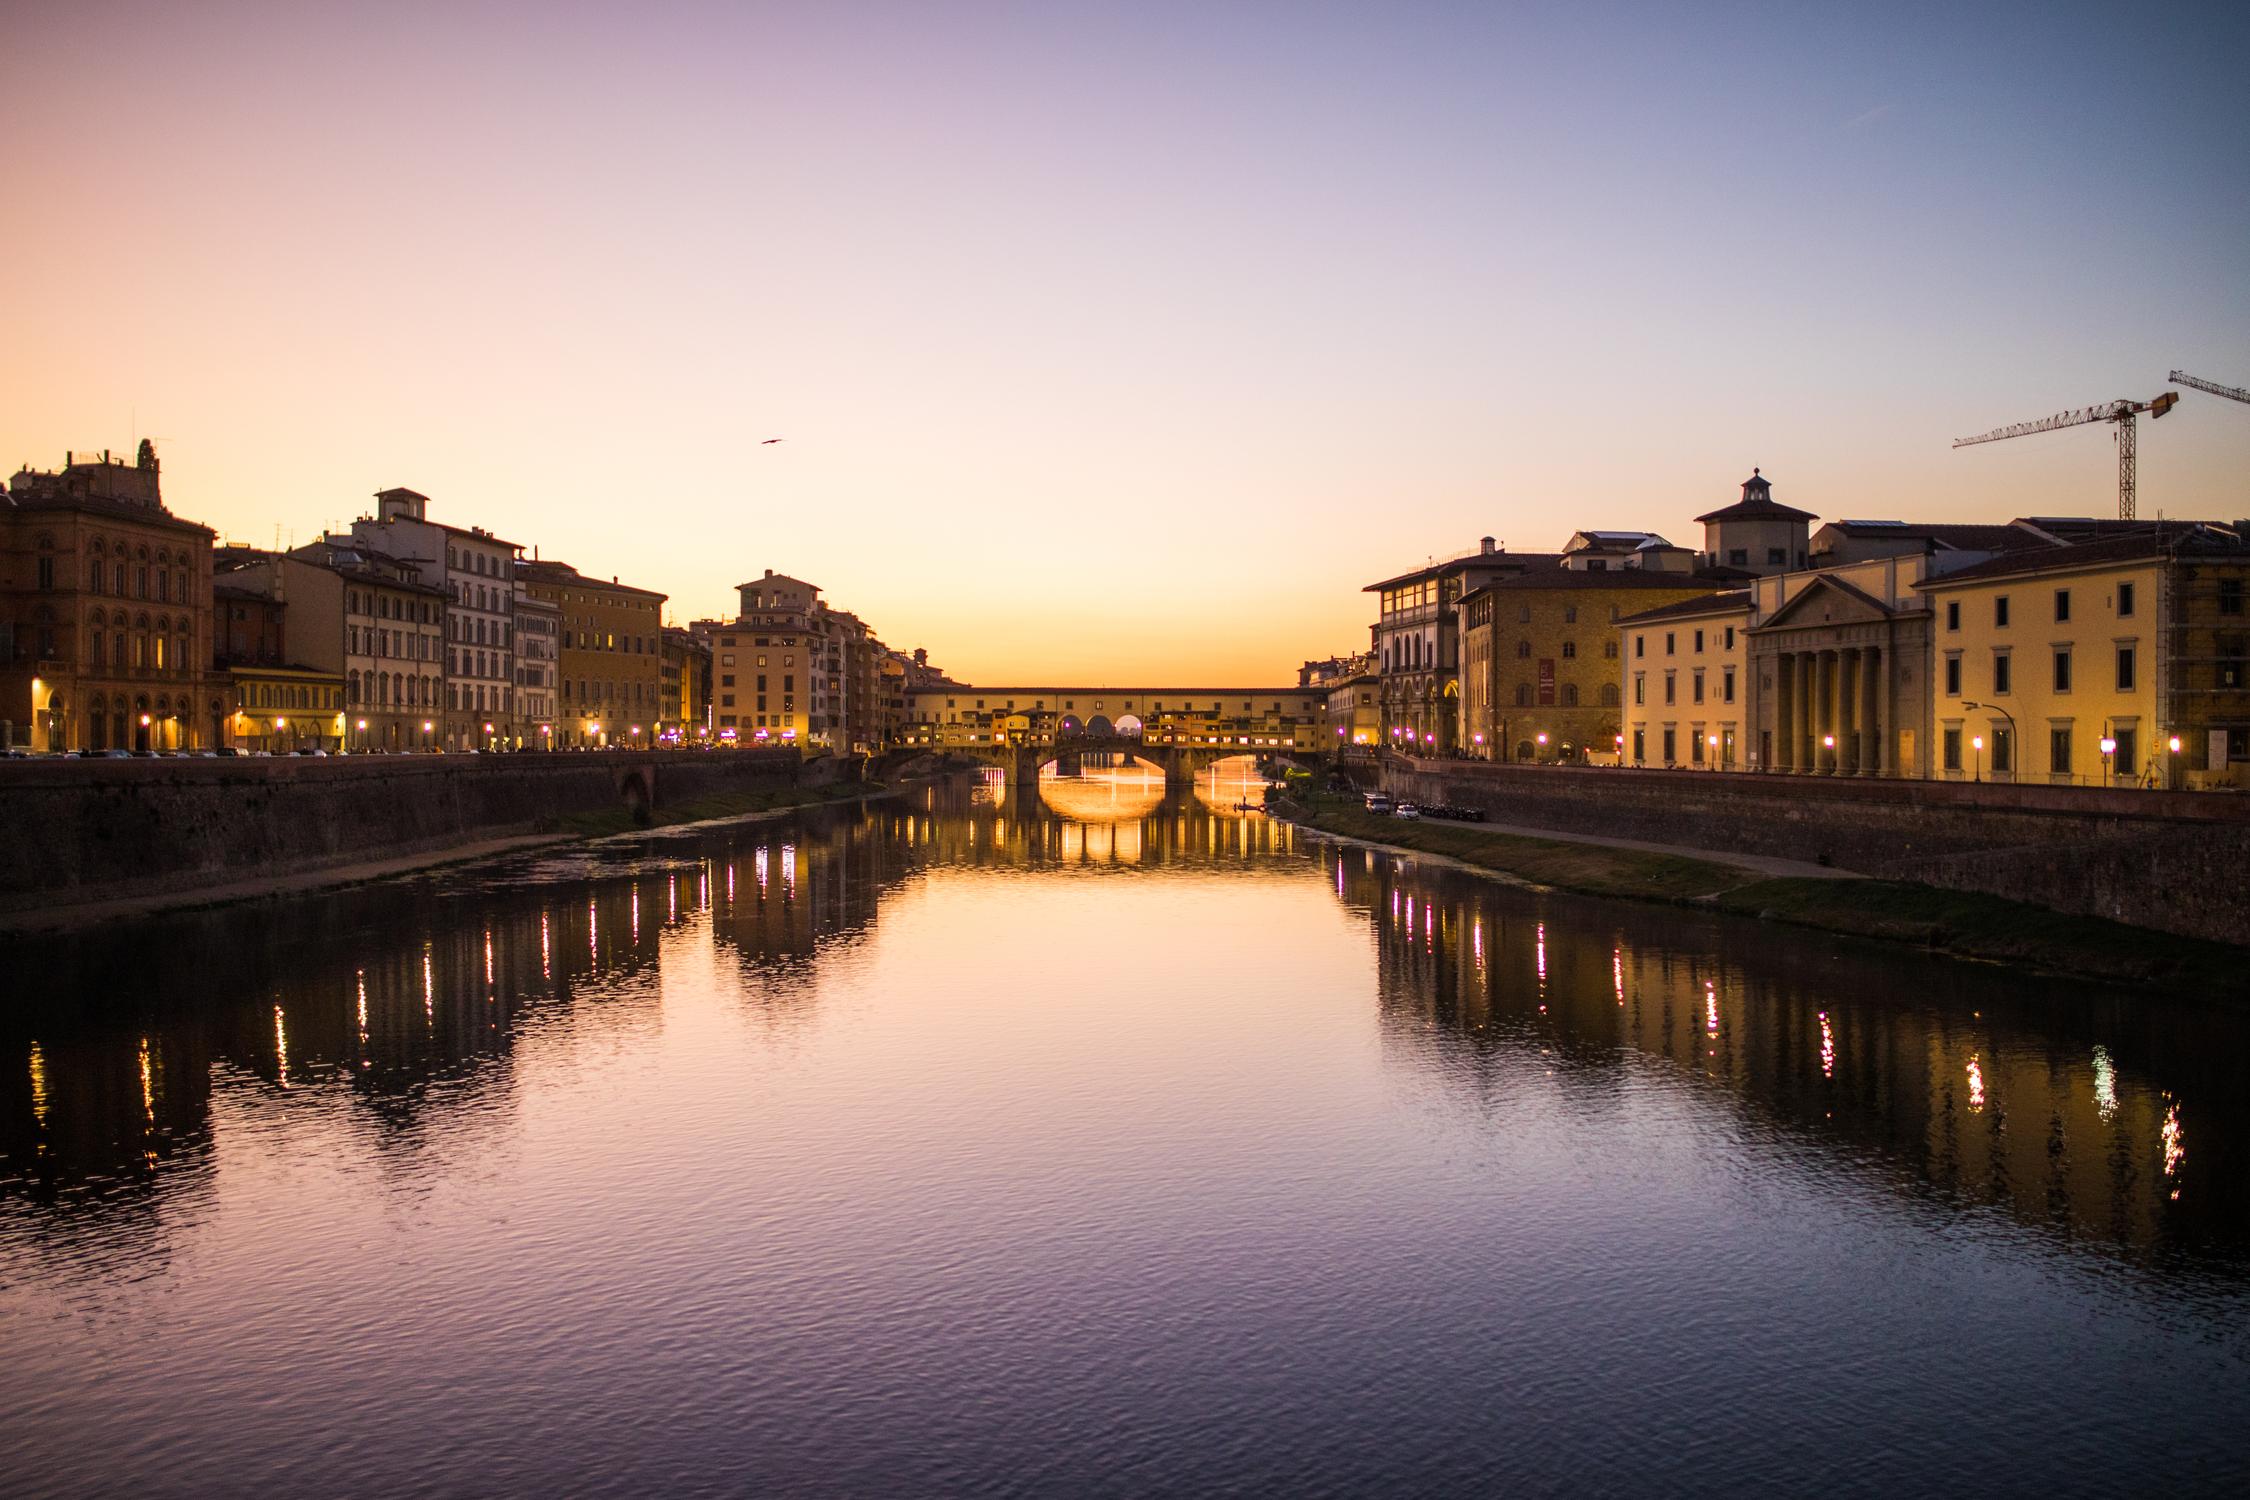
1024, 756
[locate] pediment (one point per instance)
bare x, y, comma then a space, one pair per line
1828, 601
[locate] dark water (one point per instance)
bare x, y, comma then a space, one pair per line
1133, 1147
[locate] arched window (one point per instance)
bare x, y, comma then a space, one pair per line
94, 575
351, 687
1609, 695
117, 577
1523, 649
1523, 695
1570, 695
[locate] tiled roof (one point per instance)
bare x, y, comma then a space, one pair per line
1711, 604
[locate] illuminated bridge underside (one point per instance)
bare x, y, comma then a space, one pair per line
1181, 729
1023, 761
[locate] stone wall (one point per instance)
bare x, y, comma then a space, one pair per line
89, 830
2175, 861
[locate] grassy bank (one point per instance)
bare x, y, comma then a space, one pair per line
717, 805
1958, 922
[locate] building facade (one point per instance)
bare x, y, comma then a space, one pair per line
686, 676
105, 612
2123, 661
611, 656
1687, 683
370, 618
476, 571
538, 640
1539, 659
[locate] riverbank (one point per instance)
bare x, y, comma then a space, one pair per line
1965, 924
576, 828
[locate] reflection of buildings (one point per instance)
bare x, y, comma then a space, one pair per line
1982, 1086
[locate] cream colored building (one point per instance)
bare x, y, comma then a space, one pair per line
1687, 683
2121, 661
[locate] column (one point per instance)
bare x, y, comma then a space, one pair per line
1828, 711
1847, 713
1800, 722
1784, 704
1870, 710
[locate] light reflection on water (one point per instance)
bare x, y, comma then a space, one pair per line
1108, 1141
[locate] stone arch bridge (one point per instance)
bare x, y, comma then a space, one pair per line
1024, 760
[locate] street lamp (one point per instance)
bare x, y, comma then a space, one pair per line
2172, 770
1977, 741
1995, 708
1712, 760
2109, 766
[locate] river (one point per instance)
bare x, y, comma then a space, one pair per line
1099, 1143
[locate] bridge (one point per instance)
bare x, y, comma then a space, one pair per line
1184, 729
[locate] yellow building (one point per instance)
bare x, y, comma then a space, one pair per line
610, 677
1539, 672
1687, 685
2121, 661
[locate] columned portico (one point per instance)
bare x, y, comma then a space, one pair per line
1831, 688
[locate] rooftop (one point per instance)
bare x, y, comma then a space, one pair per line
1757, 504
1727, 602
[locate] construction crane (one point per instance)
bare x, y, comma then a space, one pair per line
2121, 412
2231, 392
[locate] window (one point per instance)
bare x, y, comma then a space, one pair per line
2124, 601
1730, 637
1609, 695
2062, 605
2230, 596
2058, 749
2003, 748
1570, 614
1952, 747
1570, 695
2126, 759
2001, 672
1640, 745
1953, 675
1777, 557
1523, 650
1726, 685
1523, 614
1640, 690
1669, 643
2062, 669
1670, 689
1671, 746
2234, 671
2125, 665
1738, 557
1523, 695
1609, 650
1699, 643
1953, 614
1640, 645
1696, 687
1569, 649
2000, 610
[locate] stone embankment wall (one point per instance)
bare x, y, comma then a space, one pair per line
93, 830
2174, 861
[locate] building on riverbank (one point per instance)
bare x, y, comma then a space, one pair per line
105, 611
2123, 660
1686, 683
610, 659
1538, 675
538, 668
370, 617
476, 572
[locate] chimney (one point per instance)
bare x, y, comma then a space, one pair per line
1487, 546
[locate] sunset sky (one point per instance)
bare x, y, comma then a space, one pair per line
1125, 341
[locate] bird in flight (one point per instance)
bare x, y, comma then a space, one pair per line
769, 441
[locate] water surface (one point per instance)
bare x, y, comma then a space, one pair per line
1103, 1143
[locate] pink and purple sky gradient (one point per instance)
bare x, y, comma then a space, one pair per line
1118, 341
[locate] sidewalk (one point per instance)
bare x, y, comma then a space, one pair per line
1757, 864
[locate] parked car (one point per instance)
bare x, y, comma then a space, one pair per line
1378, 803
1406, 810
